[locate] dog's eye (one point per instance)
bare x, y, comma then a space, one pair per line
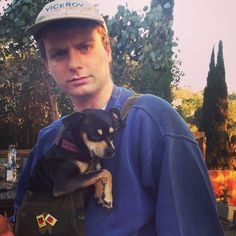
95, 137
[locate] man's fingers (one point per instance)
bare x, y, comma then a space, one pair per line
5, 227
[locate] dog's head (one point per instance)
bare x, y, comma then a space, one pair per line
96, 129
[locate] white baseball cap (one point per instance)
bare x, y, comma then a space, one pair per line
65, 9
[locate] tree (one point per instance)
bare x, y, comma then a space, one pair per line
159, 60
142, 60
215, 113
142, 49
232, 118
27, 100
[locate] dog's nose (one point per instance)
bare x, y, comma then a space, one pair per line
110, 151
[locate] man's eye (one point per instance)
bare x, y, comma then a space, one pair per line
85, 48
58, 55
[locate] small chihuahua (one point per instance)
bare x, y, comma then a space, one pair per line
52, 205
71, 163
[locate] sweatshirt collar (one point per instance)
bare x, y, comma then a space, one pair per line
118, 97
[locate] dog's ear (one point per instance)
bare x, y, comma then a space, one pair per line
72, 120
116, 117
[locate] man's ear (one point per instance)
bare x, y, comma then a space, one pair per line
117, 121
72, 120
109, 51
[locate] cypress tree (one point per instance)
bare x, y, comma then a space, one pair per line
214, 113
208, 99
221, 109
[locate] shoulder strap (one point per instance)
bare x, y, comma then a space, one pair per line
128, 105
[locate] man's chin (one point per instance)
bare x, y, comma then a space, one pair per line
81, 95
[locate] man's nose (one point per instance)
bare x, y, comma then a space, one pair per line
74, 60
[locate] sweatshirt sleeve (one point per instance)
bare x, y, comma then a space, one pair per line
175, 174
185, 204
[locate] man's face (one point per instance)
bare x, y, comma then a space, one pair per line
78, 61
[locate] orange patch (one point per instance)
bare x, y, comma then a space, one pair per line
224, 179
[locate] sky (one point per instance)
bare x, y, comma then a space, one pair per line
198, 25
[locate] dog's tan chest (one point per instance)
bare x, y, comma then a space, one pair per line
83, 166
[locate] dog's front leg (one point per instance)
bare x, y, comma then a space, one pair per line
63, 186
102, 180
103, 192
107, 194
103, 189
99, 191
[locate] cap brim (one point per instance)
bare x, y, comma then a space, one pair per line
35, 28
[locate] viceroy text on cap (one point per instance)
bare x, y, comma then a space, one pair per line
65, 9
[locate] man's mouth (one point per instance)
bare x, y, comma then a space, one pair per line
78, 80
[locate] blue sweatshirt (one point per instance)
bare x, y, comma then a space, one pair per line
160, 180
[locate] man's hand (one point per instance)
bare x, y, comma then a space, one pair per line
5, 227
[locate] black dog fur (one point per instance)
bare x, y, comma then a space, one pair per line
71, 162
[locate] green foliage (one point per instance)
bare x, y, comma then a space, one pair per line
24, 82
215, 114
142, 59
232, 118
232, 96
65, 105
18, 15
197, 117
224, 196
189, 106
190, 102
142, 49
24, 109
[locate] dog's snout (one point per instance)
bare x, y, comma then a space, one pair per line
110, 151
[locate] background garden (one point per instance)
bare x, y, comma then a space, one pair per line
145, 58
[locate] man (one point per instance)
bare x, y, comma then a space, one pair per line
160, 181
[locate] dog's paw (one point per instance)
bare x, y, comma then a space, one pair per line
107, 205
99, 200
107, 201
